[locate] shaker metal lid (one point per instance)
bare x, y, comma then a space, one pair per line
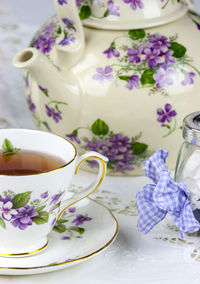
191, 128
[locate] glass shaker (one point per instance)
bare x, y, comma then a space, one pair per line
188, 161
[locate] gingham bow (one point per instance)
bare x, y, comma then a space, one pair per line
154, 201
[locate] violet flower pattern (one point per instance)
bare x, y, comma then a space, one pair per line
71, 224
52, 107
48, 37
62, 2
167, 118
103, 74
124, 153
147, 60
23, 212
135, 4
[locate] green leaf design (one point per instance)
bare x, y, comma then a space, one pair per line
137, 34
38, 209
125, 78
138, 148
42, 218
2, 223
85, 12
59, 31
99, 127
178, 49
7, 145
110, 165
8, 148
21, 199
59, 228
78, 230
147, 77
61, 221
106, 14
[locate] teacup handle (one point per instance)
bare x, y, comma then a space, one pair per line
102, 160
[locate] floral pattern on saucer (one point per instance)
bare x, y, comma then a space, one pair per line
70, 224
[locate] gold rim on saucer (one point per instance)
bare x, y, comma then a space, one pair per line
24, 253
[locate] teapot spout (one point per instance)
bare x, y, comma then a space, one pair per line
56, 89
70, 49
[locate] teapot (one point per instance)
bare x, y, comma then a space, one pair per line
115, 76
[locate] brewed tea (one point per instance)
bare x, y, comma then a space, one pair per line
28, 162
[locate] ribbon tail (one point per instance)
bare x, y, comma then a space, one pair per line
185, 221
149, 213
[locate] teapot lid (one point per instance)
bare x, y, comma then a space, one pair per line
130, 14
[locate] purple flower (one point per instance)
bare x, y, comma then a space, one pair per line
56, 198
97, 146
160, 42
78, 2
153, 56
165, 114
163, 77
103, 74
80, 219
24, 217
168, 59
73, 138
188, 79
44, 44
71, 209
44, 90
26, 82
128, 156
110, 153
134, 82
52, 113
44, 195
123, 166
136, 55
111, 52
135, 4
6, 210
67, 40
113, 9
31, 105
120, 143
65, 238
69, 24
48, 30
61, 2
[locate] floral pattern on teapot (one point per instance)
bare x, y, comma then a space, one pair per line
110, 7
124, 153
148, 60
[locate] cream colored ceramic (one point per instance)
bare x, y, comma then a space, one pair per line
122, 84
31, 204
89, 228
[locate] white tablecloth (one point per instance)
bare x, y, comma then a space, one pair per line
158, 258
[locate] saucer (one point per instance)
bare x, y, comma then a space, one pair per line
83, 231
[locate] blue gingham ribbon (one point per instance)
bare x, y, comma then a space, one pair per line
154, 201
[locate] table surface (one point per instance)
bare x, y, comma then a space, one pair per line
160, 257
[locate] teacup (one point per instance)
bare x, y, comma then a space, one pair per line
34, 202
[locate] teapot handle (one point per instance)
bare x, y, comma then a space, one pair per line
70, 48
